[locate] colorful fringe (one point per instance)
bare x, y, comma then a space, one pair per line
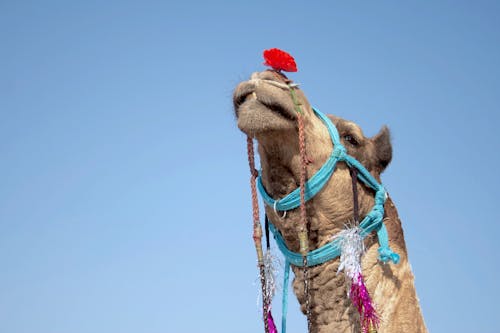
362, 301
270, 323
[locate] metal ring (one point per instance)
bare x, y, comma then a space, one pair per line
276, 211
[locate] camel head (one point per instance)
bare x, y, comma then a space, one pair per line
265, 110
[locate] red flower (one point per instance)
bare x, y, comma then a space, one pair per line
279, 60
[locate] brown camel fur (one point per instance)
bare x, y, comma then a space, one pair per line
266, 112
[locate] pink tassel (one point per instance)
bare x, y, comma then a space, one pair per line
270, 323
361, 299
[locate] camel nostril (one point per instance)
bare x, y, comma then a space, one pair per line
244, 97
279, 109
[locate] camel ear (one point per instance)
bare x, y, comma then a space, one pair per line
383, 148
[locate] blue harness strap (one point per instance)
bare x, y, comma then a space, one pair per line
284, 300
373, 221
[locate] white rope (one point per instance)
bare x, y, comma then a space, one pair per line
281, 85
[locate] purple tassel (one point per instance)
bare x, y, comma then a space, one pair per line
270, 323
361, 299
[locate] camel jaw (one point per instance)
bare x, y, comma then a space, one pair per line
255, 117
262, 107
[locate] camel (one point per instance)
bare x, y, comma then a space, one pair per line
267, 113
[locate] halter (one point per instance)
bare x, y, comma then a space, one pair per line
372, 221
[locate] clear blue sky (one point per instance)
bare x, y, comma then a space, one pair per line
124, 196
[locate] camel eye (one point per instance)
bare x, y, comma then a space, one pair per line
350, 139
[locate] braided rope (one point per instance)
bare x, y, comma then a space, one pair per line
257, 232
303, 232
303, 175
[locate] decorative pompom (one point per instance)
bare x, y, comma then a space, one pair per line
279, 60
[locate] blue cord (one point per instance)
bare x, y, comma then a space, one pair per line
284, 301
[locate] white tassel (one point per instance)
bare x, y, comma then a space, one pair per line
352, 249
272, 266
271, 271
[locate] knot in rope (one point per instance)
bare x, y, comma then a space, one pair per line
386, 254
339, 152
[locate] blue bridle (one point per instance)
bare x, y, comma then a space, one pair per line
372, 221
